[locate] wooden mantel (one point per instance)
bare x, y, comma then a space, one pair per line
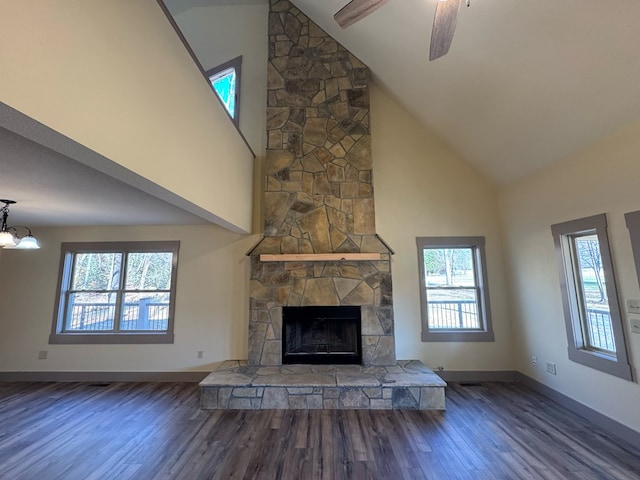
319, 257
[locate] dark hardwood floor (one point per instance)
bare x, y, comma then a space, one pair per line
156, 431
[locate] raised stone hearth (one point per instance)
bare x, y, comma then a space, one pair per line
406, 385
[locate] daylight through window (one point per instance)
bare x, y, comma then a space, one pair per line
591, 292
225, 80
117, 289
453, 287
452, 293
224, 83
590, 299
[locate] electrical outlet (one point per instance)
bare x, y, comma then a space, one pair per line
42, 355
200, 354
551, 368
534, 359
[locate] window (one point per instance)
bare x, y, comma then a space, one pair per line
454, 290
632, 220
225, 80
589, 296
116, 292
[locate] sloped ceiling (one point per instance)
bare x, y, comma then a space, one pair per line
53, 190
526, 82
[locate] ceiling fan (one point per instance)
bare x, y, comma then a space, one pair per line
444, 22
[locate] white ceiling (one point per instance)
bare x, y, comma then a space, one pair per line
179, 6
526, 82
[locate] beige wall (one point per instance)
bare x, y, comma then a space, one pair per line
601, 179
219, 33
440, 195
423, 189
113, 76
211, 303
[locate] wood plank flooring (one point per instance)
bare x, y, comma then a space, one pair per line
156, 431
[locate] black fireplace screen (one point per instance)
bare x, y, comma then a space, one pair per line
321, 335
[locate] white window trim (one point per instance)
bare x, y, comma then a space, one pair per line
236, 64
68, 249
484, 308
618, 364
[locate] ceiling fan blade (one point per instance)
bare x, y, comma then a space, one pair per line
356, 10
444, 26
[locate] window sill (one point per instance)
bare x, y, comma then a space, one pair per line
457, 336
111, 338
604, 363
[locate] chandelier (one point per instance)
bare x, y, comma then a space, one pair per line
9, 236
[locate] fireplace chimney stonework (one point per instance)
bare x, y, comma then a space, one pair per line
319, 201
318, 191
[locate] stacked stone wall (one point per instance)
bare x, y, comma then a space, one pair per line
318, 190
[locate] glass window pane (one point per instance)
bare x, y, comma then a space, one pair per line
455, 297
449, 267
597, 321
224, 83
90, 311
145, 311
453, 308
96, 271
149, 271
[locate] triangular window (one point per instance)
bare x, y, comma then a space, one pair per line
225, 80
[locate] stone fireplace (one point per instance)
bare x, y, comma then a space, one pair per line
318, 194
320, 287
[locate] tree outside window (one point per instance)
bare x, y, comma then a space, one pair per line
591, 310
454, 291
116, 288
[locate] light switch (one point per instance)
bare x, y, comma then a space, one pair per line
633, 306
635, 325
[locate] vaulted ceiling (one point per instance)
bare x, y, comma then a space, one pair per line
526, 82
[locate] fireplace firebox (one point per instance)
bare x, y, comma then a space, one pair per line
321, 335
